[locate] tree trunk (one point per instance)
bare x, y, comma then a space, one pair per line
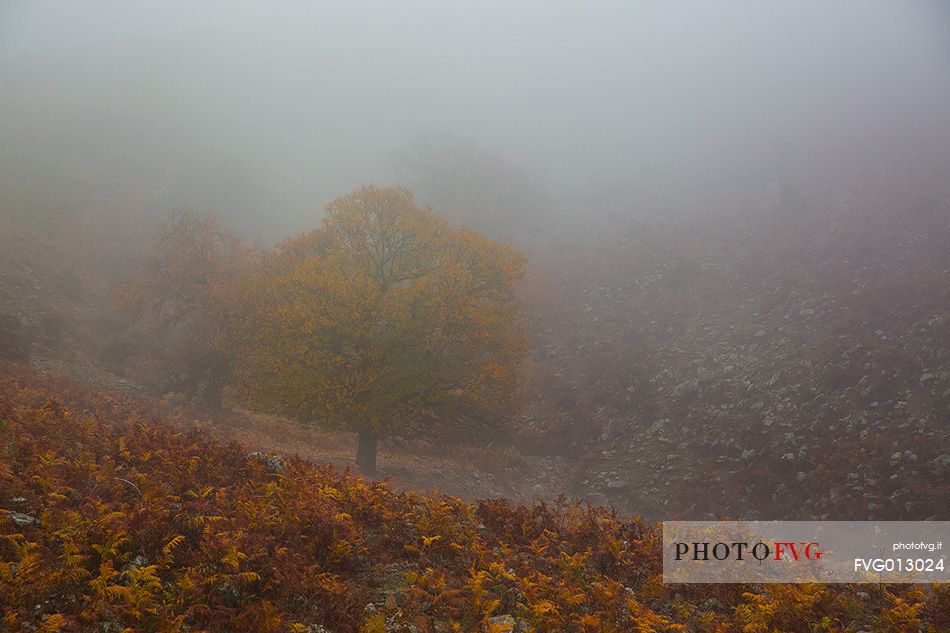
366, 452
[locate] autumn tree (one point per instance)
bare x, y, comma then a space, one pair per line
383, 320
186, 297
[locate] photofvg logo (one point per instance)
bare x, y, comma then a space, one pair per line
804, 551
719, 551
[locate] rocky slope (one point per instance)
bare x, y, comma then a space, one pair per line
753, 355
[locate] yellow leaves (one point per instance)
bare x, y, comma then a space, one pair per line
429, 540
144, 576
903, 614
383, 315
106, 573
573, 563
499, 570
184, 584
202, 493
52, 624
476, 584
137, 591
55, 496
49, 458
573, 598
208, 524
343, 518
340, 550
248, 577
29, 564
545, 609
778, 606
168, 551
111, 546
233, 558
490, 607
653, 588
123, 449
374, 624
590, 622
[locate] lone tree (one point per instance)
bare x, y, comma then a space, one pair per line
383, 320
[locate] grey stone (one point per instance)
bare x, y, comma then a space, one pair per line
22, 520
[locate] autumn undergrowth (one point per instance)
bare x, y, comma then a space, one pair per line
117, 520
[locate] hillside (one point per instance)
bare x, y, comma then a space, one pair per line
116, 519
751, 355
435, 317
804, 338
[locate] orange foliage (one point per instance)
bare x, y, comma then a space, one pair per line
114, 520
383, 318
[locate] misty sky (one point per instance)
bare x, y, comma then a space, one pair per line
265, 111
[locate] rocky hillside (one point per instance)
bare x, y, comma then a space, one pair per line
752, 355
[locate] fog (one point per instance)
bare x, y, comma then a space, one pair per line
717, 282
264, 112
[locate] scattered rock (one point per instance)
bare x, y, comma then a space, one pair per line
273, 462
22, 520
